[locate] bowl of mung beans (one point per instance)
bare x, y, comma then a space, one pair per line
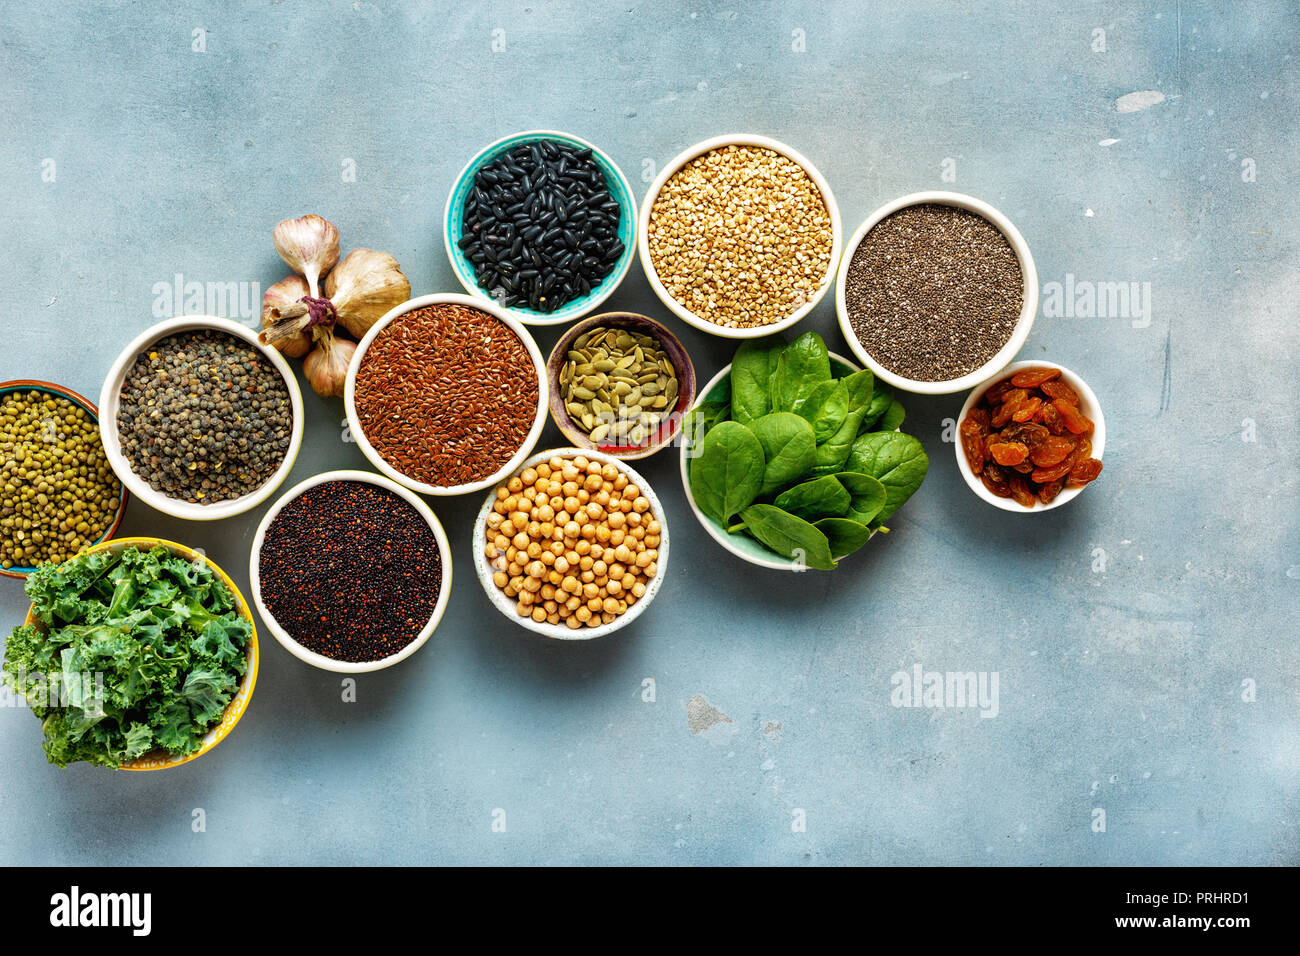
620, 383
936, 292
350, 571
446, 394
58, 493
573, 545
199, 420
542, 224
739, 236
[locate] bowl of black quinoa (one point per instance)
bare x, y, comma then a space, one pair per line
198, 420
542, 224
936, 292
350, 571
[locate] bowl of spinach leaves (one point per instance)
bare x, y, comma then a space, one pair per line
792, 458
138, 654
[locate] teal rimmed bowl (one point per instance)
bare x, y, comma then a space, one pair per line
32, 385
619, 189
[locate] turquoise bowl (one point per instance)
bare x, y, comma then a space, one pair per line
619, 189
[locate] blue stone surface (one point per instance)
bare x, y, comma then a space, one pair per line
1144, 636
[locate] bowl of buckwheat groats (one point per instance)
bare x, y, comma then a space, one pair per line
740, 236
573, 545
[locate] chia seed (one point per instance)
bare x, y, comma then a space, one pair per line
350, 570
204, 417
933, 292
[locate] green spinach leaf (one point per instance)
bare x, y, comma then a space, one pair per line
867, 495
727, 474
843, 535
802, 366
751, 373
880, 403
898, 461
789, 449
893, 417
788, 536
822, 497
826, 408
701, 418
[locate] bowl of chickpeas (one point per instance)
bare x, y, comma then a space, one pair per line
573, 545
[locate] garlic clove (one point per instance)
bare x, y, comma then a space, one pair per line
326, 366
364, 287
309, 245
275, 301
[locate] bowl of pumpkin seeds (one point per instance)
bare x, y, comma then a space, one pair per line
620, 383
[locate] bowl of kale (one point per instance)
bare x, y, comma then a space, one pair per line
137, 654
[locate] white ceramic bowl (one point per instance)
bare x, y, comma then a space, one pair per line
110, 395
539, 418
562, 631
320, 660
741, 545
643, 229
1028, 307
1088, 404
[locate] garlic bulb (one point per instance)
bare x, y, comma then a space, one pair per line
326, 366
309, 245
364, 286
278, 298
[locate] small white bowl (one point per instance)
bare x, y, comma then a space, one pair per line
563, 632
1028, 306
446, 298
643, 232
741, 545
1088, 404
320, 660
109, 399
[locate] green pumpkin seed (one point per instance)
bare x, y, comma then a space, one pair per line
599, 432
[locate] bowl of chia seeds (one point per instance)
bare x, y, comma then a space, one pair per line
350, 571
936, 292
541, 224
739, 236
198, 420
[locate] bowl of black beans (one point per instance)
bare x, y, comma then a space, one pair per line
198, 420
542, 224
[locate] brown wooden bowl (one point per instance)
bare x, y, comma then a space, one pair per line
644, 325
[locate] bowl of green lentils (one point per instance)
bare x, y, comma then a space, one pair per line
199, 420
58, 494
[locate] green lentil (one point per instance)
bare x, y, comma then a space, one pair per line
57, 491
204, 417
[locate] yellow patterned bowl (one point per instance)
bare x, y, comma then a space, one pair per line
160, 759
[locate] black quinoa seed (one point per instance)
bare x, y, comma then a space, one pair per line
541, 226
204, 417
350, 570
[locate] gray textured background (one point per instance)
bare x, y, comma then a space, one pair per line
1122, 626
